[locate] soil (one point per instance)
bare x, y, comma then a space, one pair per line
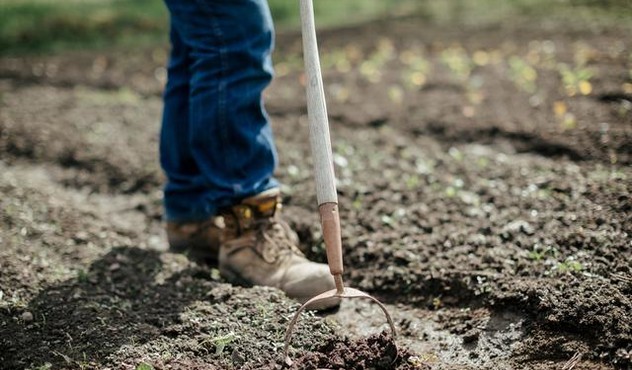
484, 199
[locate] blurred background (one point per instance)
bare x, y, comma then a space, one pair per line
28, 26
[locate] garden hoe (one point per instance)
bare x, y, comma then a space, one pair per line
324, 175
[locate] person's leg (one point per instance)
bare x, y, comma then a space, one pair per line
221, 200
229, 153
182, 191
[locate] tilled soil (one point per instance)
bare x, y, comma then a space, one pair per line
484, 184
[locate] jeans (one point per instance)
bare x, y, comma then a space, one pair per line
216, 144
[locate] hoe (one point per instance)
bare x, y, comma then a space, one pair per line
326, 195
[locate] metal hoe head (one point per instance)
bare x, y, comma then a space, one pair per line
340, 292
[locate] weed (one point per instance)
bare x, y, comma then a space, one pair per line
458, 62
482, 162
417, 68
538, 253
565, 118
144, 366
450, 192
522, 74
222, 341
569, 265
424, 360
45, 366
82, 276
357, 203
337, 59
542, 54
575, 80
437, 303
166, 355
396, 94
412, 181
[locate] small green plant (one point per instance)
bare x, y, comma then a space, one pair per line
417, 69
357, 203
338, 59
437, 303
522, 74
82, 276
144, 366
565, 118
412, 181
45, 366
450, 192
569, 265
482, 162
396, 94
538, 253
222, 341
458, 62
371, 68
575, 80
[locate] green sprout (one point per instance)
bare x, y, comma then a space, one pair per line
412, 181
575, 80
222, 341
458, 62
416, 73
371, 68
538, 253
522, 74
569, 266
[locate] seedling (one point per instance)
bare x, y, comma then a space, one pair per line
538, 254
522, 74
458, 62
436, 303
396, 94
222, 341
565, 118
418, 68
412, 181
575, 80
569, 265
542, 54
371, 68
82, 276
337, 59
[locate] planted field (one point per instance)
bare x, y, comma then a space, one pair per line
485, 184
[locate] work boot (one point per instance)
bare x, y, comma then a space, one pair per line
263, 251
200, 240
254, 247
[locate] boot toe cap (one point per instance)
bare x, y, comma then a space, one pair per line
307, 280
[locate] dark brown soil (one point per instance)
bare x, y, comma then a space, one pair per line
483, 199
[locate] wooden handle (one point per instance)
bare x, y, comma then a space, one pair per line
320, 143
317, 111
330, 221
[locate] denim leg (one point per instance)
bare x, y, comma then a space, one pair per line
216, 142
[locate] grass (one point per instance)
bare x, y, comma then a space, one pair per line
36, 26
44, 26
39, 25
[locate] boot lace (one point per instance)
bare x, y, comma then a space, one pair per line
273, 241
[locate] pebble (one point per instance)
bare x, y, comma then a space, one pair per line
27, 316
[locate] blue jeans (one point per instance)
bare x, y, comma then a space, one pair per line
216, 144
